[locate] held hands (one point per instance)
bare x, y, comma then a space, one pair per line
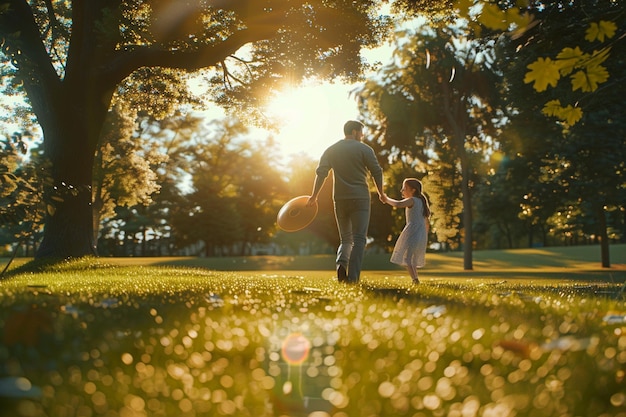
311, 201
387, 200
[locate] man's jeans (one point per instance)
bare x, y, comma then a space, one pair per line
353, 217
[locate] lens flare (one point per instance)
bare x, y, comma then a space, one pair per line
295, 349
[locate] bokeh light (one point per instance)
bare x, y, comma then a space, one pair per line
204, 343
295, 349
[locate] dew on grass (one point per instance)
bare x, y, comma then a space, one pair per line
127, 358
434, 310
611, 319
570, 343
231, 355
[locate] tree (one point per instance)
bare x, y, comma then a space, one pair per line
438, 97
580, 163
321, 235
260, 195
71, 59
443, 185
595, 152
578, 68
163, 143
123, 167
236, 189
21, 192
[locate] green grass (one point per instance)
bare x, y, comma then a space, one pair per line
527, 333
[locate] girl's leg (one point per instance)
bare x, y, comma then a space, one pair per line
413, 272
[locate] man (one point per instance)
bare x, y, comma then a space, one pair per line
352, 162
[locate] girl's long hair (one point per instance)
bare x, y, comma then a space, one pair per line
416, 184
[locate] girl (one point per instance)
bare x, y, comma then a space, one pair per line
410, 249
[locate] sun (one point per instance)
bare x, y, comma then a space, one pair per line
311, 118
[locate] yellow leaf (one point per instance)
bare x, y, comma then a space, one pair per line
552, 108
597, 57
598, 31
476, 29
526, 20
592, 32
511, 15
571, 114
523, 22
568, 58
608, 28
579, 81
587, 80
493, 17
51, 209
463, 6
543, 72
597, 74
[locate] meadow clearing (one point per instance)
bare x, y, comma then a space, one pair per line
537, 332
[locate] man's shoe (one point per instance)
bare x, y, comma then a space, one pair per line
342, 275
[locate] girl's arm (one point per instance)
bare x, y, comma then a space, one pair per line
407, 202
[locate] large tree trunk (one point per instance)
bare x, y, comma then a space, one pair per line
69, 224
71, 134
69, 231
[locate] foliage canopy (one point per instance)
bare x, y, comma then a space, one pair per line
73, 58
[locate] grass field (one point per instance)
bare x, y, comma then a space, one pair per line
576, 262
526, 333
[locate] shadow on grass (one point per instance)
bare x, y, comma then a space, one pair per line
575, 258
556, 263
33, 266
424, 291
615, 276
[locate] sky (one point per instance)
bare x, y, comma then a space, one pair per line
314, 114
308, 118
311, 117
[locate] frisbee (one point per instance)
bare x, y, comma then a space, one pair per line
295, 215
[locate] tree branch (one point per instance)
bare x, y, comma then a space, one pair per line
133, 58
259, 20
22, 43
